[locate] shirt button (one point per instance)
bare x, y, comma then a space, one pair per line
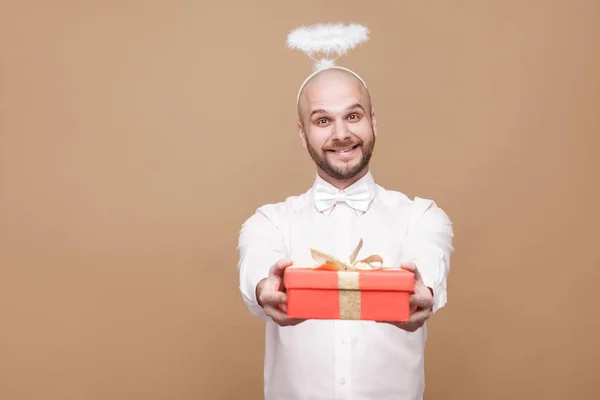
343, 341
343, 381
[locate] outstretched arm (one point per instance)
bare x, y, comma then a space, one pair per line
428, 245
260, 246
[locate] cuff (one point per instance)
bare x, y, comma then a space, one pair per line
253, 306
439, 295
248, 290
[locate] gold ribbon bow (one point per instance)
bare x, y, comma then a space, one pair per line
348, 278
330, 263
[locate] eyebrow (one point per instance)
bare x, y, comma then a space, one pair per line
321, 111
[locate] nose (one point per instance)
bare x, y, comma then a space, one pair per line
340, 131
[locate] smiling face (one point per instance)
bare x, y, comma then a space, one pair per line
337, 126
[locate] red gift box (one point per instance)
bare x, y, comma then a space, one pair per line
336, 290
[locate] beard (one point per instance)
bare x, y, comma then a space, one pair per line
344, 170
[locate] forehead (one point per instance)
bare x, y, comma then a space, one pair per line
332, 92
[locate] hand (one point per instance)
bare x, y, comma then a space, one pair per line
421, 303
272, 297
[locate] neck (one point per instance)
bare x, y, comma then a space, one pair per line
342, 184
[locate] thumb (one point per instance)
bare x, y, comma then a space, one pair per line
279, 267
412, 267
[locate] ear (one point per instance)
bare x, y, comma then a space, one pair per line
374, 122
301, 133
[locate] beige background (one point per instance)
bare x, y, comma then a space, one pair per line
136, 137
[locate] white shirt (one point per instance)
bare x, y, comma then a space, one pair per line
331, 359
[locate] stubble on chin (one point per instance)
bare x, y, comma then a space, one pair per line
340, 169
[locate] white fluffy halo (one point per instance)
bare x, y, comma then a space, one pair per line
327, 39
324, 43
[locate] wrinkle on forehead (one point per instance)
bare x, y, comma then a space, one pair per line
331, 86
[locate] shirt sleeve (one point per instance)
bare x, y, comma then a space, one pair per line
260, 246
428, 244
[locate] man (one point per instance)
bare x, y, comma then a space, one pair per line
337, 359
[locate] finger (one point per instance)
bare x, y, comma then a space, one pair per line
420, 316
279, 267
273, 298
281, 318
291, 322
421, 300
410, 326
412, 267
406, 326
413, 307
276, 314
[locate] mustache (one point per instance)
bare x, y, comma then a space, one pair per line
344, 145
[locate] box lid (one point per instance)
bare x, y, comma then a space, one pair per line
387, 279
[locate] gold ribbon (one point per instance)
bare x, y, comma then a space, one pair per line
348, 278
348, 286
328, 262
350, 304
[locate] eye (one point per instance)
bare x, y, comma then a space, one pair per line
321, 121
353, 116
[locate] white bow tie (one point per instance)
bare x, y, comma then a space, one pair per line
357, 198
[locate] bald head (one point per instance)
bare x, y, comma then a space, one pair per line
332, 88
